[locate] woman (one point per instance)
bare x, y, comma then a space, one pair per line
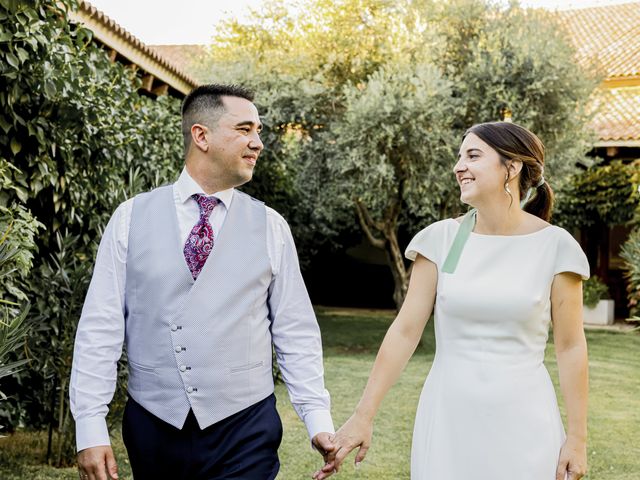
497, 277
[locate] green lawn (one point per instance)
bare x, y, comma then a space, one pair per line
350, 342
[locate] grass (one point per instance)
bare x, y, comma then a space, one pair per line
350, 344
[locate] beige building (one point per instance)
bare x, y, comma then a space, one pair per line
609, 37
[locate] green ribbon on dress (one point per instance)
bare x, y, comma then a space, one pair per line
455, 251
465, 229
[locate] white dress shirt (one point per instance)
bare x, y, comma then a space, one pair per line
100, 333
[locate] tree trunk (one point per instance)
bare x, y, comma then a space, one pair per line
389, 243
398, 270
62, 420
52, 416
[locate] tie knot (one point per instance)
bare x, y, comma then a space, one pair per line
205, 203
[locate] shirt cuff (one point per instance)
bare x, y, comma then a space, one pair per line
318, 421
91, 432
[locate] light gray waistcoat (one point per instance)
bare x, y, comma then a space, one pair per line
204, 344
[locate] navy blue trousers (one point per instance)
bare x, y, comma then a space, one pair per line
243, 446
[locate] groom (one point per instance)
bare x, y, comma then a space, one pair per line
199, 280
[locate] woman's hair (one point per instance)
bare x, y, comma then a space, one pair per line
513, 142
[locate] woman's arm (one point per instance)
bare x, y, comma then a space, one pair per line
397, 347
571, 354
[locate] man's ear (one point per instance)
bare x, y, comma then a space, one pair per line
199, 137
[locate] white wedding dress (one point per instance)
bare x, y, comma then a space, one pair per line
488, 409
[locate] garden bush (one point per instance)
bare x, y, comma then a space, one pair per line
17, 243
600, 195
76, 139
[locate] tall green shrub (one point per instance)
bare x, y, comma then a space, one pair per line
79, 139
604, 196
15, 253
631, 254
600, 195
17, 243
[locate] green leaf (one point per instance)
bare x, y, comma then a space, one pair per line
32, 42
50, 88
22, 194
23, 55
13, 60
11, 5
33, 16
6, 126
16, 146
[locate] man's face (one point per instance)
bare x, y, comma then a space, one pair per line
235, 140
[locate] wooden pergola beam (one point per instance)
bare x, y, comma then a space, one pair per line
161, 90
147, 82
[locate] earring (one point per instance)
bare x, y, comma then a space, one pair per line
506, 185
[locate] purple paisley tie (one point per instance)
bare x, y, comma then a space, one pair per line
200, 240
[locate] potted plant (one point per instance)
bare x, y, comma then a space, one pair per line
598, 308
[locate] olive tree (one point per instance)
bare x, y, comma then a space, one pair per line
373, 96
395, 151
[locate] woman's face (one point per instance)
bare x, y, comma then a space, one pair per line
479, 171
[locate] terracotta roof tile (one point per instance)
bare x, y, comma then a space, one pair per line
608, 35
618, 116
623, 55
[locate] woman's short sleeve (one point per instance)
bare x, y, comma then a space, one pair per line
428, 242
570, 257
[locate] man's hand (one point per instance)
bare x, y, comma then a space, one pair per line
356, 432
97, 463
322, 442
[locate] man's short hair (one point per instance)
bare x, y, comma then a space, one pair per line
204, 106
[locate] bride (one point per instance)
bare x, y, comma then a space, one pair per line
496, 278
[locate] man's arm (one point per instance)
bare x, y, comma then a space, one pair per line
296, 335
98, 346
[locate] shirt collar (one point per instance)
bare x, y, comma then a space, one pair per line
186, 186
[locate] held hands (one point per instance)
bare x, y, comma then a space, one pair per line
97, 463
356, 432
572, 464
323, 443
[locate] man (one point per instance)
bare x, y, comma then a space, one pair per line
198, 279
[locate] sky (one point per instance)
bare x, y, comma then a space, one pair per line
178, 22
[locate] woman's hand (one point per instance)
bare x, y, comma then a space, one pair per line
572, 464
356, 432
